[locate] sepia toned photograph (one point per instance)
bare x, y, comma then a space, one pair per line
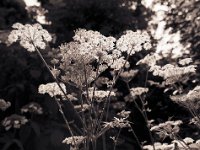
99, 74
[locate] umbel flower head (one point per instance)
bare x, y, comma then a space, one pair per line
33, 108
14, 121
74, 140
29, 36
133, 42
4, 105
52, 89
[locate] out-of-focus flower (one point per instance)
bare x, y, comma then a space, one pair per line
119, 105
124, 114
117, 64
194, 94
72, 97
52, 89
99, 95
29, 36
167, 129
4, 105
150, 59
188, 140
128, 75
138, 91
117, 122
14, 121
55, 72
185, 61
172, 73
132, 42
159, 146
74, 140
32, 108
83, 107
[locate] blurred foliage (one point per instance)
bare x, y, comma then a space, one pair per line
185, 18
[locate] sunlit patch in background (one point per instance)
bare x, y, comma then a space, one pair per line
38, 13
169, 44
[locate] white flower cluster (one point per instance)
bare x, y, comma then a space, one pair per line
185, 61
99, 95
91, 47
175, 144
32, 107
74, 140
150, 59
172, 73
118, 123
128, 75
138, 91
29, 36
166, 124
52, 89
15, 121
94, 40
189, 100
133, 42
194, 94
4, 105
124, 114
167, 129
82, 107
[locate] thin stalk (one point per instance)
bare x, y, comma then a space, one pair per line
183, 142
56, 80
107, 102
115, 142
65, 119
88, 98
185, 146
146, 120
136, 138
146, 78
85, 130
144, 115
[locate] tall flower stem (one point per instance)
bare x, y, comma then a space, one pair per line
107, 102
56, 80
63, 116
144, 115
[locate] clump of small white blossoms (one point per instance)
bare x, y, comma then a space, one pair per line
168, 128
128, 75
32, 107
132, 42
138, 91
14, 121
172, 73
124, 114
89, 48
194, 94
159, 146
185, 61
118, 123
82, 107
99, 95
29, 36
94, 39
4, 105
52, 89
150, 59
74, 140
